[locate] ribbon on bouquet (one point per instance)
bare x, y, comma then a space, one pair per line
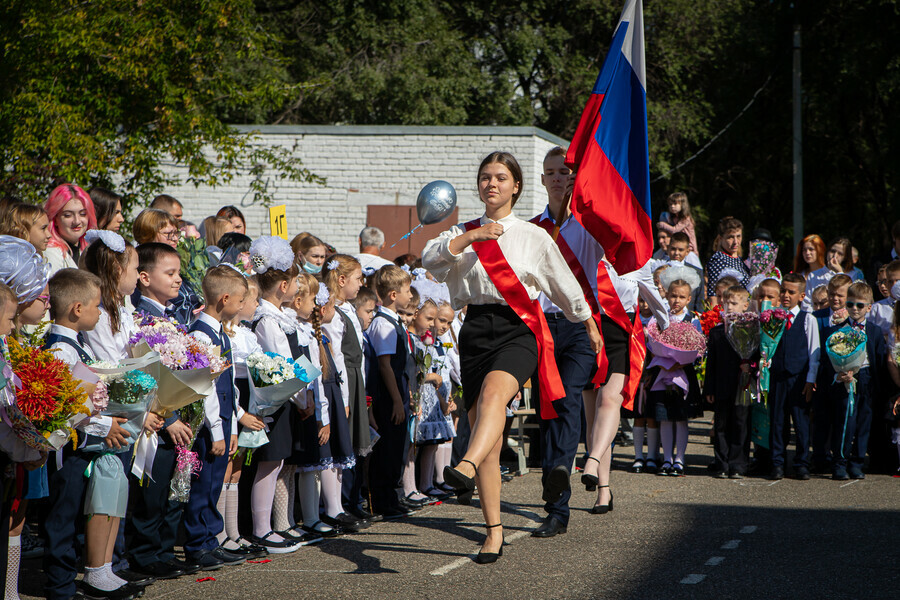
144, 455
851, 408
671, 373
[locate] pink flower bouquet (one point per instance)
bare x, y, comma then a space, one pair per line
679, 345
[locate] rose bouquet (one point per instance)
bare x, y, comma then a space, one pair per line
679, 345
742, 332
772, 326
710, 319
846, 349
274, 379
424, 362
49, 400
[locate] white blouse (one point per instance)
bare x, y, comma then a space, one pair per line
529, 250
107, 345
243, 344
59, 260
335, 331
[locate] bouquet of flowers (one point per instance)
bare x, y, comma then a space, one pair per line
771, 324
846, 349
50, 401
424, 362
742, 332
710, 319
274, 379
677, 346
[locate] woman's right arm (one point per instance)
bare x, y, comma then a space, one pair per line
444, 251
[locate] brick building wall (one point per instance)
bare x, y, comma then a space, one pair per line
373, 165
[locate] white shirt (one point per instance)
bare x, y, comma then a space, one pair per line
452, 358
243, 344
211, 416
820, 277
882, 315
383, 334
811, 329
98, 425
530, 252
370, 261
59, 260
107, 345
322, 405
335, 331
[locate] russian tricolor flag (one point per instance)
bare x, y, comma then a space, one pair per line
609, 151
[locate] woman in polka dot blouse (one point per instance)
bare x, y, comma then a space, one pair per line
727, 256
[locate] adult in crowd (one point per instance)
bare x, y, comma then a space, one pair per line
489, 264
838, 259
726, 258
238, 222
108, 208
169, 204
371, 243
810, 255
71, 214
310, 252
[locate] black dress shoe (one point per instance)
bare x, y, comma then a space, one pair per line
637, 466
135, 578
365, 515
158, 570
228, 557
486, 558
801, 473
602, 509
126, 592
188, 567
460, 482
343, 521
248, 549
557, 484
549, 528
777, 473
205, 559
855, 472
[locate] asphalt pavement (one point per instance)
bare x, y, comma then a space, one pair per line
667, 538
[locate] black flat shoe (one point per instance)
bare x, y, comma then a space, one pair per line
602, 509
461, 483
665, 469
590, 481
637, 466
486, 558
135, 578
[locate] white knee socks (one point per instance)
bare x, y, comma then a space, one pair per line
14, 554
681, 440
282, 500
442, 459
331, 491
262, 495
221, 537
309, 497
639, 443
426, 467
666, 434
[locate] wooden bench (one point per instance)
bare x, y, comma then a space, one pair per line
519, 416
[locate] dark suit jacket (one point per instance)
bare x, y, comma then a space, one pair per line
723, 366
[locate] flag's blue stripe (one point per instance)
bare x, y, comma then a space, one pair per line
622, 133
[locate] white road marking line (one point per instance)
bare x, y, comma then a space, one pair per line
731, 545
748, 529
693, 578
715, 561
773, 483
459, 562
850, 483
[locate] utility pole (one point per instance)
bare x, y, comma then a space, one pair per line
798, 140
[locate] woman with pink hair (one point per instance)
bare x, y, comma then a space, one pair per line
71, 214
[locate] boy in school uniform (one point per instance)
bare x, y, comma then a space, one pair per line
852, 423
793, 370
75, 308
680, 255
389, 386
225, 290
153, 527
833, 315
731, 442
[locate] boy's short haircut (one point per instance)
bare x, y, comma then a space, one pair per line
892, 269
555, 151
736, 291
364, 296
861, 291
7, 296
769, 283
221, 280
390, 278
795, 278
165, 202
679, 237
69, 286
151, 253
838, 281
820, 292
727, 282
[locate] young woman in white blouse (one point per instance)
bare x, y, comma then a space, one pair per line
498, 350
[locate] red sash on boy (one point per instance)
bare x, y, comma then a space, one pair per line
515, 294
637, 350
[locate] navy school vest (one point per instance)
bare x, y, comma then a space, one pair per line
225, 382
402, 362
55, 338
792, 355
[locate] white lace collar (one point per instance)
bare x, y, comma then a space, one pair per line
287, 322
305, 334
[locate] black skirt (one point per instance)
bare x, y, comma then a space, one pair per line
494, 338
615, 344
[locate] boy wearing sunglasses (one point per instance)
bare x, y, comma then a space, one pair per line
794, 368
853, 420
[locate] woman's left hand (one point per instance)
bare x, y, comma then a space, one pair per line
594, 335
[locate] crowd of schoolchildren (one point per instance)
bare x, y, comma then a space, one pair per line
366, 440
369, 438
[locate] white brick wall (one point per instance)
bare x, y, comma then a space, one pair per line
386, 164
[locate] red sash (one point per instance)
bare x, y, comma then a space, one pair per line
637, 349
515, 294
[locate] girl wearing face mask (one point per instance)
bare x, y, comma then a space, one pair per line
71, 214
310, 252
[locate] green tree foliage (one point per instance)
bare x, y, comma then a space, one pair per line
105, 92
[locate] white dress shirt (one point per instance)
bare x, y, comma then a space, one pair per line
59, 260
370, 261
335, 332
306, 336
243, 344
383, 334
98, 425
105, 344
882, 315
811, 329
530, 252
211, 417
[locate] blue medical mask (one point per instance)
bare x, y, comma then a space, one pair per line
311, 268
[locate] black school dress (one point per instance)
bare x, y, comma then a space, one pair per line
353, 361
281, 441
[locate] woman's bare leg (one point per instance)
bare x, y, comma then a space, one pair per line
606, 423
488, 417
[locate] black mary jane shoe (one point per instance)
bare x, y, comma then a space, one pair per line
459, 482
590, 481
486, 558
665, 469
637, 466
602, 509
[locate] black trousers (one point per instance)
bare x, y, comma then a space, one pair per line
64, 509
731, 445
153, 527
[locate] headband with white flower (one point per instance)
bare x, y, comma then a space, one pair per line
406, 268
419, 273
269, 252
332, 264
368, 271
323, 295
110, 239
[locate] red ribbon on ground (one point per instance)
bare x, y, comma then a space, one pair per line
515, 294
